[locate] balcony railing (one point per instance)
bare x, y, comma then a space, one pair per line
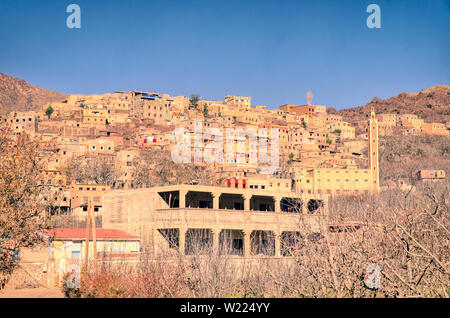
231, 219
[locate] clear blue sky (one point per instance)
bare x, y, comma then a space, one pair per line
274, 51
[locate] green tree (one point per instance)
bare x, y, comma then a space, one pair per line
291, 157
49, 111
337, 131
194, 100
205, 110
329, 141
304, 124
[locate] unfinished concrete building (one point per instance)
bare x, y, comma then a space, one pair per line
200, 219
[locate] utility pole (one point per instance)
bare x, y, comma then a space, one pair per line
94, 234
88, 225
90, 218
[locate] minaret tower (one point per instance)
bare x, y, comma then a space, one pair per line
373, 152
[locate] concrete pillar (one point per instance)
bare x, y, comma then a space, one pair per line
277, 203
182, 199
215, 197
51, 273
247, 243
182, 240
247, 198
277, 237
216, 235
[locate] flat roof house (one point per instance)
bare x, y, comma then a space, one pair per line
238, 221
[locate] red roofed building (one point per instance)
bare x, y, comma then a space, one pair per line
67, 246
70, 243
80, 234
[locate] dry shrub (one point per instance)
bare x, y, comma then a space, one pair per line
404, 233
154, 280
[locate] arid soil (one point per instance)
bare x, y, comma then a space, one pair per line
39, 292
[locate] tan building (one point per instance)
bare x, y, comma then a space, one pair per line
387, 119
304, 109
260, 182
95, 117
238, 102
100, 146
333, 181
343, 129
409, 121
20, 122
431, 175
435, 129
81, 194
231, 220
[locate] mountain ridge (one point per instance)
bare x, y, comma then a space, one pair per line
18, 95
431, 104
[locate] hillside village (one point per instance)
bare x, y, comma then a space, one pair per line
116, 129
174, 149
110, 168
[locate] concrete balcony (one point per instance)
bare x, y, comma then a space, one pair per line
236, 219
229, 220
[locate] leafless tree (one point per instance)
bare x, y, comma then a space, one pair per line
22, 210
156, 168
97, 170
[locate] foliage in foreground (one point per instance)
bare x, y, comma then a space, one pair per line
403, 234
21, 198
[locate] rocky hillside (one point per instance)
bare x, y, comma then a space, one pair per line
432, 104
18, 95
